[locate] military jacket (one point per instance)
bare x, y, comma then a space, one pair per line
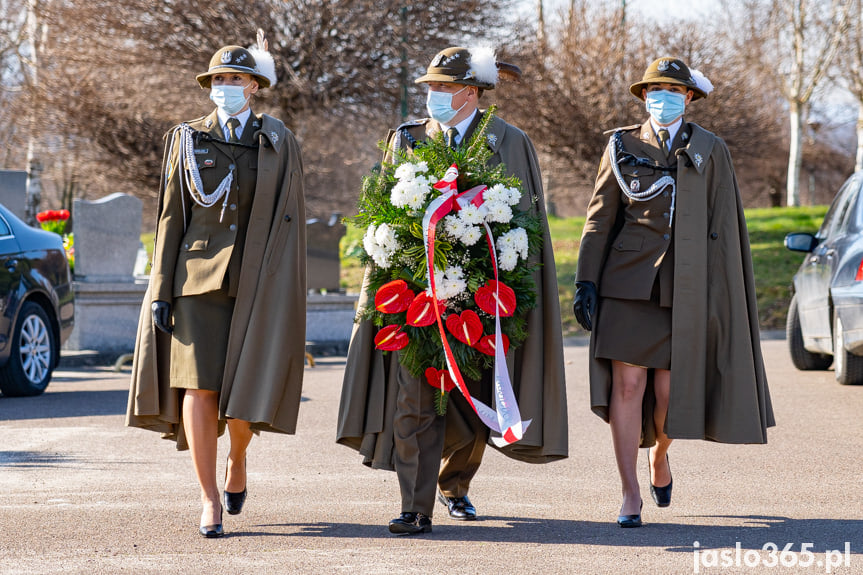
626, 245
200, 248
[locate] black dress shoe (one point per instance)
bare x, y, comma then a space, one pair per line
661, 495
626, 521
212, 531
460, 508
234, 501
409, 523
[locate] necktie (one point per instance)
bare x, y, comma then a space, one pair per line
663, 139
451, 135
233, 124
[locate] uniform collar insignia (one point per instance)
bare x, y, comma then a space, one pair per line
684, 136
256, 124
274, 137
492, 139
209, 122
698, 160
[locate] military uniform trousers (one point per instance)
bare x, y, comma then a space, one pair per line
419, 437
465, 439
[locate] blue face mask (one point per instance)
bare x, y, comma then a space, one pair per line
229, 99
664, 106
439, 105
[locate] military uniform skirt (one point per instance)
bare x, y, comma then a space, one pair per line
200, 343
636, 332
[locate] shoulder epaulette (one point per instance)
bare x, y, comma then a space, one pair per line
623, 129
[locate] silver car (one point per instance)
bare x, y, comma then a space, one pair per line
825, 318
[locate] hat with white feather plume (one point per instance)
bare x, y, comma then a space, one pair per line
256, 61
475, 66
668, 70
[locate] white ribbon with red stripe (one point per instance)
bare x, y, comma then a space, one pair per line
505, 419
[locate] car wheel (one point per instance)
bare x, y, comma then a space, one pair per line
31, 362
801, 358
847, 366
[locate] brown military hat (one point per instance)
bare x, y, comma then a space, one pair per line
668, 70
469, 67
233, 59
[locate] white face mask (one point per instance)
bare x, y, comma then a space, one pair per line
229, 99
439, 105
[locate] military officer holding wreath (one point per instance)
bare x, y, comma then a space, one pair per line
665, 283
387, 414
222, 330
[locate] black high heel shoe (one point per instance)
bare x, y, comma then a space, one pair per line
661, 495
627, 521
234, 501
212, 531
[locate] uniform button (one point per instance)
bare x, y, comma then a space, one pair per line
620, 245
233, 206
232, 227
714, 236
288, 218
666, 237
186, 246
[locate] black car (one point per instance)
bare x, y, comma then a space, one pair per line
37, 305
825, 318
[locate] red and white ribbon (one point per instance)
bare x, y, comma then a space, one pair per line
505, 419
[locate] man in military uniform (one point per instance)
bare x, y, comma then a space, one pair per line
405, 432
665, 218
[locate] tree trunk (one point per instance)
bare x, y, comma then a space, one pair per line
795, 154
858, 165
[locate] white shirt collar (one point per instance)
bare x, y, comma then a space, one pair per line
461, 127
243, 117
672, 129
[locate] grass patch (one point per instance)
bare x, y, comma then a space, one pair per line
773, 264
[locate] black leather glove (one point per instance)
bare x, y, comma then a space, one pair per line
584, 306
162, 315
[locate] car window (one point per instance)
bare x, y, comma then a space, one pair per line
4, 228
837, 214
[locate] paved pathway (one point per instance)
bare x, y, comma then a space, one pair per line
83, 494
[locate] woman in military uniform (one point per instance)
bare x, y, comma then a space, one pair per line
227, 289
665, 282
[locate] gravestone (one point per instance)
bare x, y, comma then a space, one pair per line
107, 295
13, 191
107, 237
323, 267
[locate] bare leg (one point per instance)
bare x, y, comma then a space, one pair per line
201, 422
660, 474
627, 392
241, 434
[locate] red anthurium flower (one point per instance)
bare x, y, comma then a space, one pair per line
391, 338
486, 344
421, 311
467, 327
41, 217
485, 298
393, 297
440, 379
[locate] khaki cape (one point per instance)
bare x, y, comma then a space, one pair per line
718, 383
264, 368
368, 400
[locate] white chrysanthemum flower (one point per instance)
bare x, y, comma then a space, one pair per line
381, 257
471, 235
508, 259
385, 237
369, 243
454, 272
498, 212
453, 226
405, 171
470, 215
449, 283
515, 239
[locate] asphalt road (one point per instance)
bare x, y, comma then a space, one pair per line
81, 493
